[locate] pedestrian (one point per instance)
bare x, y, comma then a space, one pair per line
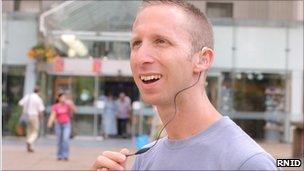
171, 52
61, 115
33, 108
123, 114
109, 116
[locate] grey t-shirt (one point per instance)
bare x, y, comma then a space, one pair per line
222, 146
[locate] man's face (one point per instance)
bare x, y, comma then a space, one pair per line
160, 53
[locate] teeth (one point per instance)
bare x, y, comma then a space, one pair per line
150, 77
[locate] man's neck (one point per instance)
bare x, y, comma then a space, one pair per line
194, 114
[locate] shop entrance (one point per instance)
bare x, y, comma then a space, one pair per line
84, 91
115, 85
62, 84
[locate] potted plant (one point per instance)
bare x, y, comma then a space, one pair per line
13, 123
42, 54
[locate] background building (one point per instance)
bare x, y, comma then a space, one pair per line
256, 79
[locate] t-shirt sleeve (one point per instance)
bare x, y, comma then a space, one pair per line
22, 101
260, 161
136, 164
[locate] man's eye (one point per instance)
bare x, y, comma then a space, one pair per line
160, 41
135, 44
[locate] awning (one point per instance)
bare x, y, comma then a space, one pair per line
91, 20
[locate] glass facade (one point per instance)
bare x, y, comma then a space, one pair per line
253, 100
253, 92
12, 92
110, 49
259, 92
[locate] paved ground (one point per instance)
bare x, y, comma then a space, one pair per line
84, 151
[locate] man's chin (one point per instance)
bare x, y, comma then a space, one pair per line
151, 100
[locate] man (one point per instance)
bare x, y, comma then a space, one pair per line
33, 106
171, 46
123, 114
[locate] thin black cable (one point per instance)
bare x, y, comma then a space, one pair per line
143, 150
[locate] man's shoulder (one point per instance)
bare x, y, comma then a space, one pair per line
237, 141
241, 149
35, 96
259, 161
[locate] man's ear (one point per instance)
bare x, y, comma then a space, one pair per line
203, 60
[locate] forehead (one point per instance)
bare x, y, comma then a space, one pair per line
160, 18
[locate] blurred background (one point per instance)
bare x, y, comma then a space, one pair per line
82, 47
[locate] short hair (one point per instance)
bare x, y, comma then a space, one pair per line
201, 29
36, 89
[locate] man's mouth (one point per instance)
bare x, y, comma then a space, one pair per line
147, 79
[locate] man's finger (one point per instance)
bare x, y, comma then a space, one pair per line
115, 156
125, 151
104, 162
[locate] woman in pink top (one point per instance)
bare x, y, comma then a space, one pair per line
61, 114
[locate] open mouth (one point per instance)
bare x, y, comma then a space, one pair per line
148, 79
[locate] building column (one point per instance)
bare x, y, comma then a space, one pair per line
30, 78
296, 108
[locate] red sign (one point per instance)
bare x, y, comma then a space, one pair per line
59, 64
96, 66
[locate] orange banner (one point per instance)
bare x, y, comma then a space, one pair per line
59, 64
96, 66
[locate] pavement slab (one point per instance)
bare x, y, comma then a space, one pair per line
84, 151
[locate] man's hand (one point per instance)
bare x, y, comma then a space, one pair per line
110, 160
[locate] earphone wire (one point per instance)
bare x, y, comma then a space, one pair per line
161, 130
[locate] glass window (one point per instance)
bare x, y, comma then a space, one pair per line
12, 84
259, 92
56, 85
116, 85
110, 49
12, 92
226, 95
219, 10
212, 90
83, 90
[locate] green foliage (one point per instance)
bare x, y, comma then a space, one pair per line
14, 119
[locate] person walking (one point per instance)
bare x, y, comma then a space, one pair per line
61, 115
123, 114
109, 117
33, 108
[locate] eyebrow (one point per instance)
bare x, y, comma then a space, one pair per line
161, 36
155, 35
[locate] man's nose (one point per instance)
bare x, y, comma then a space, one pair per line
145, 54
